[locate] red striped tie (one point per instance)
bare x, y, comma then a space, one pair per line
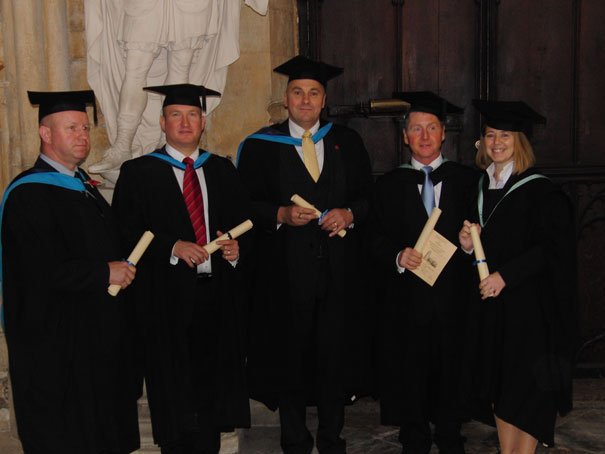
192, 193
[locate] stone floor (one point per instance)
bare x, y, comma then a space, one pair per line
581, 432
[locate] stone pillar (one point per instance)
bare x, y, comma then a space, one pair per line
57, 47
36, 57
284, 45
20, 52
253, 90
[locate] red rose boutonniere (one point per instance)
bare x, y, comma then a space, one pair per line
336, 147
93, 183
87, 181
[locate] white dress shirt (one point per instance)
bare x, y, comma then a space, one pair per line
505, 174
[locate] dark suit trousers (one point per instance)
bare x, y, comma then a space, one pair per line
433, 349
203, 436
415, 437
295, 437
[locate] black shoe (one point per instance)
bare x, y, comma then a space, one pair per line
415, 438
450, 445
304, 447
416, 448
340, 447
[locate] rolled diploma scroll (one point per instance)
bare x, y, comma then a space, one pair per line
428, 229
479, 253
231, 234
134, 258
299, 201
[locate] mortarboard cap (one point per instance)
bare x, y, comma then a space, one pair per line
301, 67
51, 102
185, 94
428, 102
509, 115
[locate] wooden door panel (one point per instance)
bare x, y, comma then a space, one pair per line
359, 36
591, 82
421, 45
535, 65
549, 53
380, 137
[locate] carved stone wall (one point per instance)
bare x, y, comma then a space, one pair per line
52, 56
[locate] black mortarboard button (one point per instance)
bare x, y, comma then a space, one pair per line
51, 102
301, 67
509, 115
428, 102
184, 94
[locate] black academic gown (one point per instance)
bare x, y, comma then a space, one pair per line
521, 343
65, 334
147, 197
420, 341
297, 343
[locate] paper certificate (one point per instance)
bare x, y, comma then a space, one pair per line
436, 251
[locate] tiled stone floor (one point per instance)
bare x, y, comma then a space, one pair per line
581, 432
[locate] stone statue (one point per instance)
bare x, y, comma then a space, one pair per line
138, 43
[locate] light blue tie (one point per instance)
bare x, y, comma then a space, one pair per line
428, 191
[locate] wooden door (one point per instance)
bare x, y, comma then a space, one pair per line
549, 53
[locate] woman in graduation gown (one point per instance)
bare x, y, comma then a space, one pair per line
522, 322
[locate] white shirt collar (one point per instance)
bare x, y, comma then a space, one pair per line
505, 174
57, 166
297, 131
434, 164
176, 154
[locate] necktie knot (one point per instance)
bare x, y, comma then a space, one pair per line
307, 134
427, 169
188, 161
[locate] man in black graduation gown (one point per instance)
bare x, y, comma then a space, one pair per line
65, 333
420, 326
188, 303
307, 324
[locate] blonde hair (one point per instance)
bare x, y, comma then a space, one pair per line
523, 153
